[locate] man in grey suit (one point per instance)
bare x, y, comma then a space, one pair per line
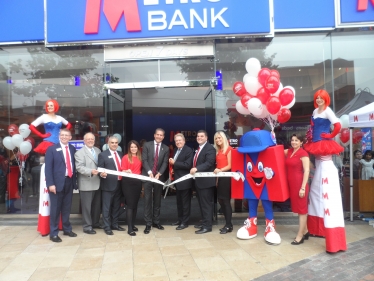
155, 156
89, 183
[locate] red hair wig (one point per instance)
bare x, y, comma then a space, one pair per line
55, 103
323, 95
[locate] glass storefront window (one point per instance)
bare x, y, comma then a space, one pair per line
128, 72
186, 69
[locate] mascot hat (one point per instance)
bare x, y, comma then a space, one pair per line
256, 141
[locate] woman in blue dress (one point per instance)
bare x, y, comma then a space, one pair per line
52, 125
325, 211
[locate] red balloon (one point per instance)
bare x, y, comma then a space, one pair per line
244, 99
272, 84
263, 75
344, 135
275, 73
284, 115
286, 96
263, 95
31, 140
13, 129
239, 89
357, 137
273, 105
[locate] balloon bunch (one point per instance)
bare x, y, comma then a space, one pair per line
344, 133
263, 95
19, 137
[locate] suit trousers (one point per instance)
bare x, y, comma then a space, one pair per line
61, 206
184, 205
91, 208
111, 201
152, 203
206, 203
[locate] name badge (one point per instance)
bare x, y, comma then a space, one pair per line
110, 156
58, 149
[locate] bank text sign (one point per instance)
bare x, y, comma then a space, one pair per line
117, 20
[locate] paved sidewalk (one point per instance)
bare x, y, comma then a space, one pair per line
179, 255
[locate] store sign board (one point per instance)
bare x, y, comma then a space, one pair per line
72, 21
354, 13
157, 52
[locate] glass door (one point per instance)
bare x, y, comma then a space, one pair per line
115, 117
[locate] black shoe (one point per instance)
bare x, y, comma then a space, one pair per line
203, 230
198, 226
132, 233
225, 230
98, 227
118, 228
182, 226
70, 234
134, 228
55, 239
108, 232
176, 223
158, 226
294, 242
90, 231
306, 236
147, 229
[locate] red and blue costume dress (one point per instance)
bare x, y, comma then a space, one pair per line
52, 130
325, 211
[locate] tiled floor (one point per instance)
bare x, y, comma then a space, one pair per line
161, 255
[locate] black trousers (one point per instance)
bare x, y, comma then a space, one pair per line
184, 205
111, 201
152, 202
206, 203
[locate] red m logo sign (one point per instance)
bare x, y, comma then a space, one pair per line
362, 5
325, 181
113, 10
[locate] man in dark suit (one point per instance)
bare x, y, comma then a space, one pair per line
89, 184
155, 156
204, 161
182, 164
61, 179
110, 186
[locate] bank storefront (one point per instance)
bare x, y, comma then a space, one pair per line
128, 67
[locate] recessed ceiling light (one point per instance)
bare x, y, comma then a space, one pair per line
299, 69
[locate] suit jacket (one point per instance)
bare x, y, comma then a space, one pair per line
106, 161
148, 154
182, 167
206, 162
85, 163
55, 166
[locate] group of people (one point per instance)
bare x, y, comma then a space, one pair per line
363, 165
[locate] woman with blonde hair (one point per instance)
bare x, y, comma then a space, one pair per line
223, 162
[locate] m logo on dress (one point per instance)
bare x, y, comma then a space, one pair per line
325, 196
327, 212
325, 181
46, 190
45, 203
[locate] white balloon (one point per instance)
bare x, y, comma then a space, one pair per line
241, 109
264, 114
252, 85
255, 106
278, 91
119, 148
7, 142
291, 104
17, 139
24, 130
253, 67
118, 136
25, 147
344, 120
246, 77
105, 147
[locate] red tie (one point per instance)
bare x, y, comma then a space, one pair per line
118, 165
68, 164
195, 158
155, 162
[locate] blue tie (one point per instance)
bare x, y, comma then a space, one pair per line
93, 154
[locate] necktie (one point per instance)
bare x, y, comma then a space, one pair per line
93, 154
155, 162
118, 165
68, 164
176, 154
195, 158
